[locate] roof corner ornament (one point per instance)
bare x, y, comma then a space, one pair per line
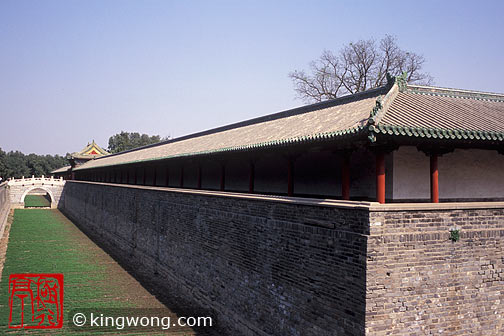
372, 119
372, 137
390, 79
377, 108
402, 81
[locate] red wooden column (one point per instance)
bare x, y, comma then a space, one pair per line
345, 177
223, 177
135, 177
251, 177
434, 174
154, 178
199, 177
380, 177
144, 176
290, 177
127, 176
182, 177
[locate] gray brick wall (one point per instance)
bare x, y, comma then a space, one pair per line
419, 282
4, 206
266, 268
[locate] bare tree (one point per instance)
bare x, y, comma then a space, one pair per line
357, 67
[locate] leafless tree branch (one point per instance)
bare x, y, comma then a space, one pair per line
357, 67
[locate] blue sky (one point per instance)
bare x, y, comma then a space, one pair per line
74, 71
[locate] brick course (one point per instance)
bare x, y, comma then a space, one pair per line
419, 282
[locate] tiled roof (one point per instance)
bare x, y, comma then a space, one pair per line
421, 111
61, 170
86, 152
346, 115
396, 110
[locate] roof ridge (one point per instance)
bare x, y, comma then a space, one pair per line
381, 107
456, 93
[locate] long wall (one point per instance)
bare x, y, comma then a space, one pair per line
4, 205
294, 266
266, 266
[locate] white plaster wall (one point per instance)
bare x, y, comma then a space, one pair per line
463, 174
471, 173
411, 174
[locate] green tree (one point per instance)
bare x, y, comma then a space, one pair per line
125, 141
2, 165
16, 164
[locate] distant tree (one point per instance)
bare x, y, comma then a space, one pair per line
357, 67
17, 164
2, 165
126, 140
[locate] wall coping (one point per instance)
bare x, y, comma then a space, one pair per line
332, 203
254, 197
436, 206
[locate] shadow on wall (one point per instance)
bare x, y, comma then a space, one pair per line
263, 267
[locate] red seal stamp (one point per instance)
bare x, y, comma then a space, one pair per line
36, 301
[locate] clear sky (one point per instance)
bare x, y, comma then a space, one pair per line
74, 71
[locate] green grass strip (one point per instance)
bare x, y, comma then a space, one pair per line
36, 201
44, 241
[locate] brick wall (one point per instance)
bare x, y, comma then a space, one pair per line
284, 266
265, 266
4, 205
419, 282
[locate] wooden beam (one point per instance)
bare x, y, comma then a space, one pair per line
380, 177
434, 175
